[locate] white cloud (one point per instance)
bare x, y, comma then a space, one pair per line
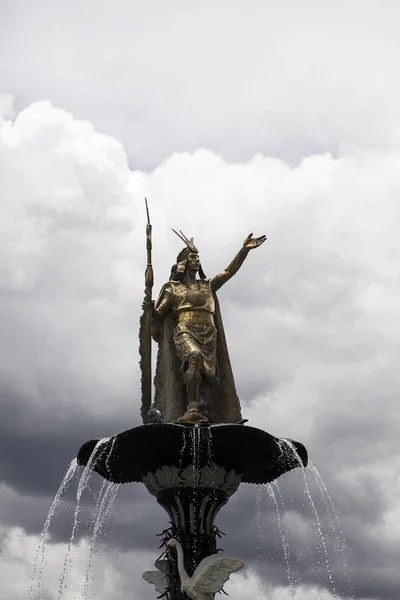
287, 79
108, 575
250, 585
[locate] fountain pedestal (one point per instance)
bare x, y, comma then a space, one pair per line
192, 498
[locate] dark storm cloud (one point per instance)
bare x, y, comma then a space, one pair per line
35, 454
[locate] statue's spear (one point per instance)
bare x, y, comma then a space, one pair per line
145, 326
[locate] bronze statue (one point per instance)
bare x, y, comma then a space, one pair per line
194, 381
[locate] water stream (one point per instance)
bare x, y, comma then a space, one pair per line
261, 542
333, 520
210, 450
97, 451
329, 506
260, 522
195, 449
37, 572
285, 544
291, 450
195, 453
109, 455
105, 501
183, 448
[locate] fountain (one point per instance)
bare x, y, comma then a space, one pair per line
194, 448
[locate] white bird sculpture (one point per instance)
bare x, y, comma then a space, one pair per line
158, 578
209, 576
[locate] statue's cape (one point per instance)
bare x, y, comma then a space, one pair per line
170, 393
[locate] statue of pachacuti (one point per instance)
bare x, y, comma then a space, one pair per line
194, 381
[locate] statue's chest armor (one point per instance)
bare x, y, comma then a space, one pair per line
198, 296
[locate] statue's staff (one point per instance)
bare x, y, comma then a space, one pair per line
145, 326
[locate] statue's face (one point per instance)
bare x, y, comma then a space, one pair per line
193, 262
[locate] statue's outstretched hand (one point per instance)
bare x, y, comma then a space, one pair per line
250, 242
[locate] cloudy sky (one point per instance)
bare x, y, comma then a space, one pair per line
277, 118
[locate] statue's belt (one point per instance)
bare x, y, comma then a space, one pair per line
197, 317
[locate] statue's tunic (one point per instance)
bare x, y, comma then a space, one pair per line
192, 306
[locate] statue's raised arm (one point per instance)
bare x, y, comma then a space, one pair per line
248, 244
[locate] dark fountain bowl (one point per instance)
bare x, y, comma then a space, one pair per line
254, 454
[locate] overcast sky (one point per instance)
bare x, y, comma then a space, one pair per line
277, 118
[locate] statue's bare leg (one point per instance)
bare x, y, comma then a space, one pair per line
192, 379
191, 390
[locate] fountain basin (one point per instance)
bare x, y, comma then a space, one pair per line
253, 454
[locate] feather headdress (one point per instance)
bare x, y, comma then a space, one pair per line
189, 243
178, 269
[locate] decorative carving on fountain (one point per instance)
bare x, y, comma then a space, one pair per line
160, 578
209, 576
210, 476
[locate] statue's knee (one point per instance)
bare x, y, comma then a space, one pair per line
195, 361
